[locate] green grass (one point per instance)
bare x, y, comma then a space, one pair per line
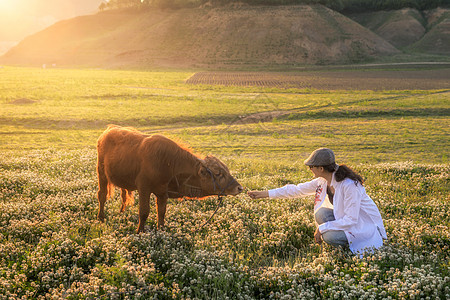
51, 244
74, 106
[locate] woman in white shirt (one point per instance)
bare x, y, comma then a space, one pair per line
353, 220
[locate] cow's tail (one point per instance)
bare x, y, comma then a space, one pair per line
103, 180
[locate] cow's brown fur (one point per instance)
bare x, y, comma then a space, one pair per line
155, 164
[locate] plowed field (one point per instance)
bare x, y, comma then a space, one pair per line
332, 80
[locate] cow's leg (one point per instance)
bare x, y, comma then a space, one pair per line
161, 203
127, 199
144, 207
102, 191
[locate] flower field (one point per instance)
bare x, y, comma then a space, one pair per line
52, 246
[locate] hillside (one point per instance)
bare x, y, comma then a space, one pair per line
399, 27
411, 30
251, 36
437, 38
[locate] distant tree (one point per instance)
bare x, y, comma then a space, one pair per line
103, 6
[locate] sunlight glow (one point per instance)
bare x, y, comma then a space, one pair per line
20, 18
8, 6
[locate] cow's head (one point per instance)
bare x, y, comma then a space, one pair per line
215, 178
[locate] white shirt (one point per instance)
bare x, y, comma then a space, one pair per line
355, 212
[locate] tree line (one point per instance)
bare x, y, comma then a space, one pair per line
339, 5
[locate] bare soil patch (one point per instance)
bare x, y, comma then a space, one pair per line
262, 117
332, 80
23, 101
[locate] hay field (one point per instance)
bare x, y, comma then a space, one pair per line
51, 245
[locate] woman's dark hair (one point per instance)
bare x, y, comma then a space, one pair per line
344, 172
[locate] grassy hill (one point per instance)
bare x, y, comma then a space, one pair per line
437, 38
235, 36
399, 27
227, 36
411, 30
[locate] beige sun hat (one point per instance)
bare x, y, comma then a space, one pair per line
321, 157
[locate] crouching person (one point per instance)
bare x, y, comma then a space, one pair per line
352, 220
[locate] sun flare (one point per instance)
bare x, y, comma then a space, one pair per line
7, 5
10, 7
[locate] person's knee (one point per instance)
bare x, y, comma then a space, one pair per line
328, 237
323, 215
335, 238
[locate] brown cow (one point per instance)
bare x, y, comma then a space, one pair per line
155, 164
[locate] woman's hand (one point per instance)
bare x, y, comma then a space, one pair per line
318, 236
258, 194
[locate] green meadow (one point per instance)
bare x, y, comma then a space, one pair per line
71, 108
52, 246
